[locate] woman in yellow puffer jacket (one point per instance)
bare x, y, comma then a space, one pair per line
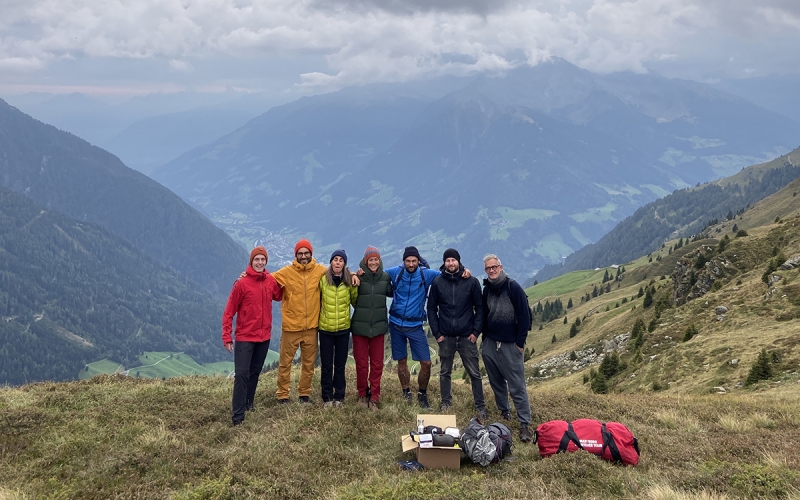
337, 294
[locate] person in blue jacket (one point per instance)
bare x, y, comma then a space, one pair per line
410, 283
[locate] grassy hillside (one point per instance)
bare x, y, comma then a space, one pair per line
163, 365
687, 285
136, 438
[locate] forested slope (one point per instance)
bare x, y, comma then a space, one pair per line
65, 173
73, 292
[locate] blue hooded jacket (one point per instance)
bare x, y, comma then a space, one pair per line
408, 305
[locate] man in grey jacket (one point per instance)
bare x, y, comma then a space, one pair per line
505, 330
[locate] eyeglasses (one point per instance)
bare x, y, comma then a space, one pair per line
491, 269
303, 254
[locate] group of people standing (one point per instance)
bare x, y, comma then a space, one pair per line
316, 305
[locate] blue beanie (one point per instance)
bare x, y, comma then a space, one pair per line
339, 253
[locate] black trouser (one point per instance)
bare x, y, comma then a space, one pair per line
332, 358
248, 360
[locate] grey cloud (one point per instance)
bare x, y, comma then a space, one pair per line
404, 7
365, 41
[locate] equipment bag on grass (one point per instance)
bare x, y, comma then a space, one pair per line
609, 440
476, 442
501, 437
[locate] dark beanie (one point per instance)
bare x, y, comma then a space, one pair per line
411, 252
339, 253
258, 251
451, 253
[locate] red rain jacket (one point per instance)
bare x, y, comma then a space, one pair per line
251, 302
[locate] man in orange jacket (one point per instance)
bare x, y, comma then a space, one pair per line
250, 301
300, 313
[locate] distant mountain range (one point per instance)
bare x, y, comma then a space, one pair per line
73, 292
531, 165
64, 173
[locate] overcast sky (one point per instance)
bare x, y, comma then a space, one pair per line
309, 46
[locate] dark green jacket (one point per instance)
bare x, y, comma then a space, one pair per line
370, 318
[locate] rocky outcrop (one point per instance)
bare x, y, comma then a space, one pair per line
583, 358
790, 264
692, 282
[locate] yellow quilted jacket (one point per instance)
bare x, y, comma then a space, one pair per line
336, 300
300, 305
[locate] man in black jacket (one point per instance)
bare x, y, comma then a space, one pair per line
505, 329
455, 315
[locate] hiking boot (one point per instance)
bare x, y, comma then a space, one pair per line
337, 404
407, 396
373, 405
506, 415
237, 423
283, 401
445, 408
305, 400
422, 399
327, 404
363, 402
482, 416
524, 433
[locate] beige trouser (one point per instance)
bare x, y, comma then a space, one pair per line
306, 340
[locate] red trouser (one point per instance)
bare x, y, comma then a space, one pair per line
368, 353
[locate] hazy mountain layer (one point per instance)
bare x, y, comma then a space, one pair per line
531, 165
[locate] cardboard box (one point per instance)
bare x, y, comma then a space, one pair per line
435, 457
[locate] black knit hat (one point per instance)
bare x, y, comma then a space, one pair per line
411, 252
451, 253
339, 253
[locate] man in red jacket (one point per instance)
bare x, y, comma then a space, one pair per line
251, 302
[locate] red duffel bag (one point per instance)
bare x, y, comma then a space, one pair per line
610, 440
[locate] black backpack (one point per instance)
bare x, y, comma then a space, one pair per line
485, 445
501, 437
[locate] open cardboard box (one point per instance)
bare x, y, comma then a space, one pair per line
435, 457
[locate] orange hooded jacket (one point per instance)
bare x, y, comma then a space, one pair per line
301, 300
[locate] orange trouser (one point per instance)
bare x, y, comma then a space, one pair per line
306, 340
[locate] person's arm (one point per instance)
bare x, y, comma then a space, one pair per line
389, 289
393, 272
277, 292
523, 314
430, 276
485, 313
433, 316
353, 294
280, 276
477, 303
231, 308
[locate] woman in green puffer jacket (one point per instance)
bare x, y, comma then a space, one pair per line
337, 295
370, 325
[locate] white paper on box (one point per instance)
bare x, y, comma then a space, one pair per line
453, 431
425, 440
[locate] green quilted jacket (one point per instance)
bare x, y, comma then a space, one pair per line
370, 317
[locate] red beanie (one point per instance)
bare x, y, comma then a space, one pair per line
304, 243
371, 252
258, 251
